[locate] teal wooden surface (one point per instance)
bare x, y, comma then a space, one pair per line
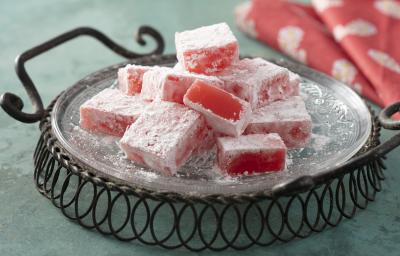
30, 225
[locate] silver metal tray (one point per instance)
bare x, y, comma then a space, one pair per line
315, 192
341, 126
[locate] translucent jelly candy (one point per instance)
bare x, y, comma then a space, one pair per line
169, 84
289, 118
164, 136
110, 112
249, 154
224, 112
130, 78
207, 50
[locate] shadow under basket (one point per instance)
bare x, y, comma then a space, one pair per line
291, 210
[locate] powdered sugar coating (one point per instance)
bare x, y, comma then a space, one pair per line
110, 112
130, 78
289, 118
164, 136
293, 86
178, 67
252, 143
208, 49
219, 123
217, 35
152, 83
290, 109
256, 80
170, 84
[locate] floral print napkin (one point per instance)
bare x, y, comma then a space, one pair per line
351, 40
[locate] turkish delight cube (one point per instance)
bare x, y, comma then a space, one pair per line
130, 78
289, 118
207, 50
256, 153
164, 136
170, 85
256, 80
224, 112
110, 112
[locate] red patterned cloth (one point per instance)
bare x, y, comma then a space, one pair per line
351, 40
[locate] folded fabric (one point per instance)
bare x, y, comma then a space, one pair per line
308, 9
297, 30
368, 30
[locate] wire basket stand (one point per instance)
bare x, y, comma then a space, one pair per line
215, 222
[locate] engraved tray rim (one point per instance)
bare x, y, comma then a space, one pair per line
167, 59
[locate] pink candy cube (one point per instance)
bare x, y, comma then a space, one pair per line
130, 78
207, 50
164, 136
224, 112
170, 85
288, 118
255, 153
256, 80
110, 112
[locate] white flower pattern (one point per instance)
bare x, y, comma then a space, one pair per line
289, 39
388, 7
344, 71
357, 27
244, 23
322, 5
385, 60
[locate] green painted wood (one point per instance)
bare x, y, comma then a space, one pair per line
30, 225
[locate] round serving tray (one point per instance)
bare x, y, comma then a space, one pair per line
341, 126
94, 193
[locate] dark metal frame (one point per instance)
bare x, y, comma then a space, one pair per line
13, 104
293, 210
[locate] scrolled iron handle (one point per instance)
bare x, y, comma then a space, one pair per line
308, 182
386, 113
13, 105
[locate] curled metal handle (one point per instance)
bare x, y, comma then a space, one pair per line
12, 104
386, 113
306, 183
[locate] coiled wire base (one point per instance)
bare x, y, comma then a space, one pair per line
215, 223
169, 220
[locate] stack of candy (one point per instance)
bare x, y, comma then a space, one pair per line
248, 109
